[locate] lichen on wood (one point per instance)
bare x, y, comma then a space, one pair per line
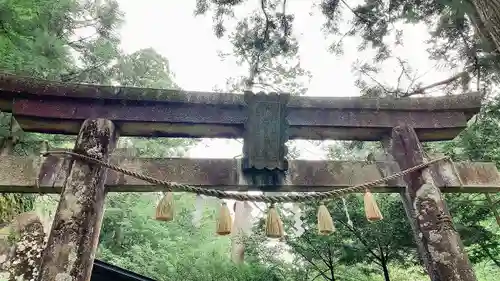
20, 258
443, 253
72, 243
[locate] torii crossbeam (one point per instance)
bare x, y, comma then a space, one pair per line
53, 107
18, 174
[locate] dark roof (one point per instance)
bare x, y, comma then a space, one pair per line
103, 271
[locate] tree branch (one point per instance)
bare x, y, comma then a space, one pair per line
421, 90
356, 13
365, 244
68, 77
310, 261
254, 66
330, 260
319, 274
71, 43
325, 261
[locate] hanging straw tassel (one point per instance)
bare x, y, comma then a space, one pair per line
165, 208
325, 221
224, 222
274, 225
371, 208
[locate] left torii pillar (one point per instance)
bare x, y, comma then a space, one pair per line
70, 251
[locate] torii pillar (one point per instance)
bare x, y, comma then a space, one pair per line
440, 246
72, 243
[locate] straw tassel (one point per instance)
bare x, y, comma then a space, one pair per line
371, 208
165, 208
224, 221
274, 225
325, 221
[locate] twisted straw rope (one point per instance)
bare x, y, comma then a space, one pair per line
170, 186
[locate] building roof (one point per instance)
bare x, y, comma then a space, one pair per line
103, 271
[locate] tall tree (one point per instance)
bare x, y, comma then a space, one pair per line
356, 241
488, 22
147, 68
463, 33
37, 38
263, 43
74, 41
144, 68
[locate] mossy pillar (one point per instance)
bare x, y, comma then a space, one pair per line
439, 243
72, 243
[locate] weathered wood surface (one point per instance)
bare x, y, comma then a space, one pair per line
412, 220
20, 174
72, 243
20, 258
53, 107
440, 245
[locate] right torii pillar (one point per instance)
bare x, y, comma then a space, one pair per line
439, 244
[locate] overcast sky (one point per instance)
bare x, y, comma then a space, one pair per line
188, 42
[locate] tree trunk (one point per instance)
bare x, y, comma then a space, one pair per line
386, 272
384, 261
489, 14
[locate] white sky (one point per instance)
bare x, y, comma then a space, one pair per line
169, 26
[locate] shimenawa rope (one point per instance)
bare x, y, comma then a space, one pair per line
171, 186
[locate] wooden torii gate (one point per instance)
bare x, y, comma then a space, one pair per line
99, 114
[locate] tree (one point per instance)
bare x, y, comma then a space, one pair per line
148, 69
41, 39
144, 68
37, 39
462, 32
131, 238
487, 21
373, 244
73, 41
263, 43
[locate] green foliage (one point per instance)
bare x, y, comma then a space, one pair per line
370, 246
262, 41
12, 204
39, 39
457, 36
130, 237
472, 212
144, 68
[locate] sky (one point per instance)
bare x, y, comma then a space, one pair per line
188, 42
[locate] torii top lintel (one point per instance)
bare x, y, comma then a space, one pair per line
55, 107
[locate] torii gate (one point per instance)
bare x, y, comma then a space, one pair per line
99, 114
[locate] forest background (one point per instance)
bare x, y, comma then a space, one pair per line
83, 41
